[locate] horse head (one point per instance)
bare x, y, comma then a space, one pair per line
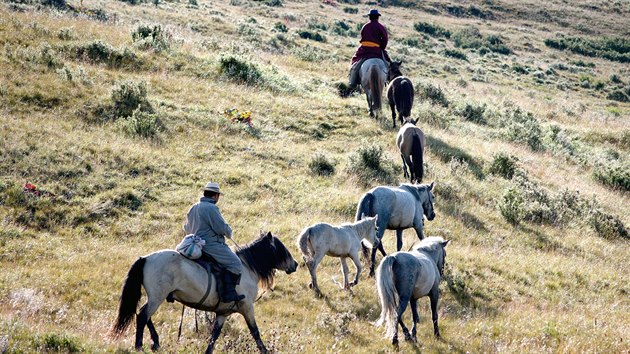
427, 204
394, 70
442, 260
286, 262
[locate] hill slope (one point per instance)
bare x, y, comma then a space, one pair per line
117, 109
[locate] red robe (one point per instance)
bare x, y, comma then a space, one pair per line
373, 42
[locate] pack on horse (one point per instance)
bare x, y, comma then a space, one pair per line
399, 93
398, 208
411, 142
404, 277
168, 272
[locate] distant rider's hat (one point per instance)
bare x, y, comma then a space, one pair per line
373, 12
212, 187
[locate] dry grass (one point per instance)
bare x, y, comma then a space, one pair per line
526, 288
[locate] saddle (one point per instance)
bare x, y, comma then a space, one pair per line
212, 267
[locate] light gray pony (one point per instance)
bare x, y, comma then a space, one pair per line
167, 271
373, 75
404, 277
341, 241
411, 142
398, 208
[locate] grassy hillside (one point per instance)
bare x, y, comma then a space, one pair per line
115, 112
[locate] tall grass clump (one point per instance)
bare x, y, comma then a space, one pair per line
434, 94
99, 52
321, 165
141, 124
520, 127
129, 96
56, 343
511, 206
431, 29
239, 70
503, 165
150, 37
370, 165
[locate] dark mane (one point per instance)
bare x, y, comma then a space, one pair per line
263, 256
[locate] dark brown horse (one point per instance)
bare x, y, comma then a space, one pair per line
411, 142
399, 93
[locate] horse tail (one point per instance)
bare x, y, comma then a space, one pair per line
376, 86
407, 98
131, 293
387, 294
304, 242
365, 206
416, 156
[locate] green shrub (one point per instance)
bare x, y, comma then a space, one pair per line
308, 53
521, 127
434, 94
350, 10
101, 52
511, 206
454, 53
274, 3
370, 166
141, 124
151, 37
431, 29
614, 174
129, 96
56, 343
239, 70
472, 113
343, 29
320, 165
280, 27
607, 225
503, 165
315, 36
471, 37
618, 95
411, 42
614, 49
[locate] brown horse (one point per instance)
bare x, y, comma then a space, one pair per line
399, 93
411, 142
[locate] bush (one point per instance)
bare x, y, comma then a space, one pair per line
141, 124
350, 10
343, 29
471, 37
606, 225
434, 94
370, 166
101, 52
320, 165
503, 165
280, 27
618, 95
613, 174
614, 49
129, 96
472, 113
454, 53
431, 29
56, 343
511, 206
315, 36
151, 37
521, 127
239, 70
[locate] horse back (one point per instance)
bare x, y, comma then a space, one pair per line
420, 269
333, 240
397, 205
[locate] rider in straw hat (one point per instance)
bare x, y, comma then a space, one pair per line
205, 220
373, 45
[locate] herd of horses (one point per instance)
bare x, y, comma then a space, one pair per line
401, 278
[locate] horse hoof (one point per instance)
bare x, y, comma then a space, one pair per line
155, 347
310, 285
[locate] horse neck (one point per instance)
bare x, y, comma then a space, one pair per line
394, 74
363, 228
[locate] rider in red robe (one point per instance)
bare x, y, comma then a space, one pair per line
373, 45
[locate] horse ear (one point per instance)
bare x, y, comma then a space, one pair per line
445, 243
376, 218
362, 216
269, 235
399, 63
414, 121
431, 186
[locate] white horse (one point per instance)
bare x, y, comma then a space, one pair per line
168, 272
398, 208
342, 241
404, 277
373, 74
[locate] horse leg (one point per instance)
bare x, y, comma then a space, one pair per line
399, 241
407, 161
402, 306
313, 269
416, 318
418, 226
216, 331
405, 173
344, 270
154, 336
357, 264
372, 261
392, 107
253, 328
433, 297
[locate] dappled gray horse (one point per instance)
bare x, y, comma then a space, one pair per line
404, 277
411, 142
373, 75
399, 93
167, 271
342, 241
398, 208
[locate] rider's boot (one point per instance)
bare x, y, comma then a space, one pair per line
230, 281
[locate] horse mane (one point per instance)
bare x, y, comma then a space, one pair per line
262, 256
429, 243
413, 189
